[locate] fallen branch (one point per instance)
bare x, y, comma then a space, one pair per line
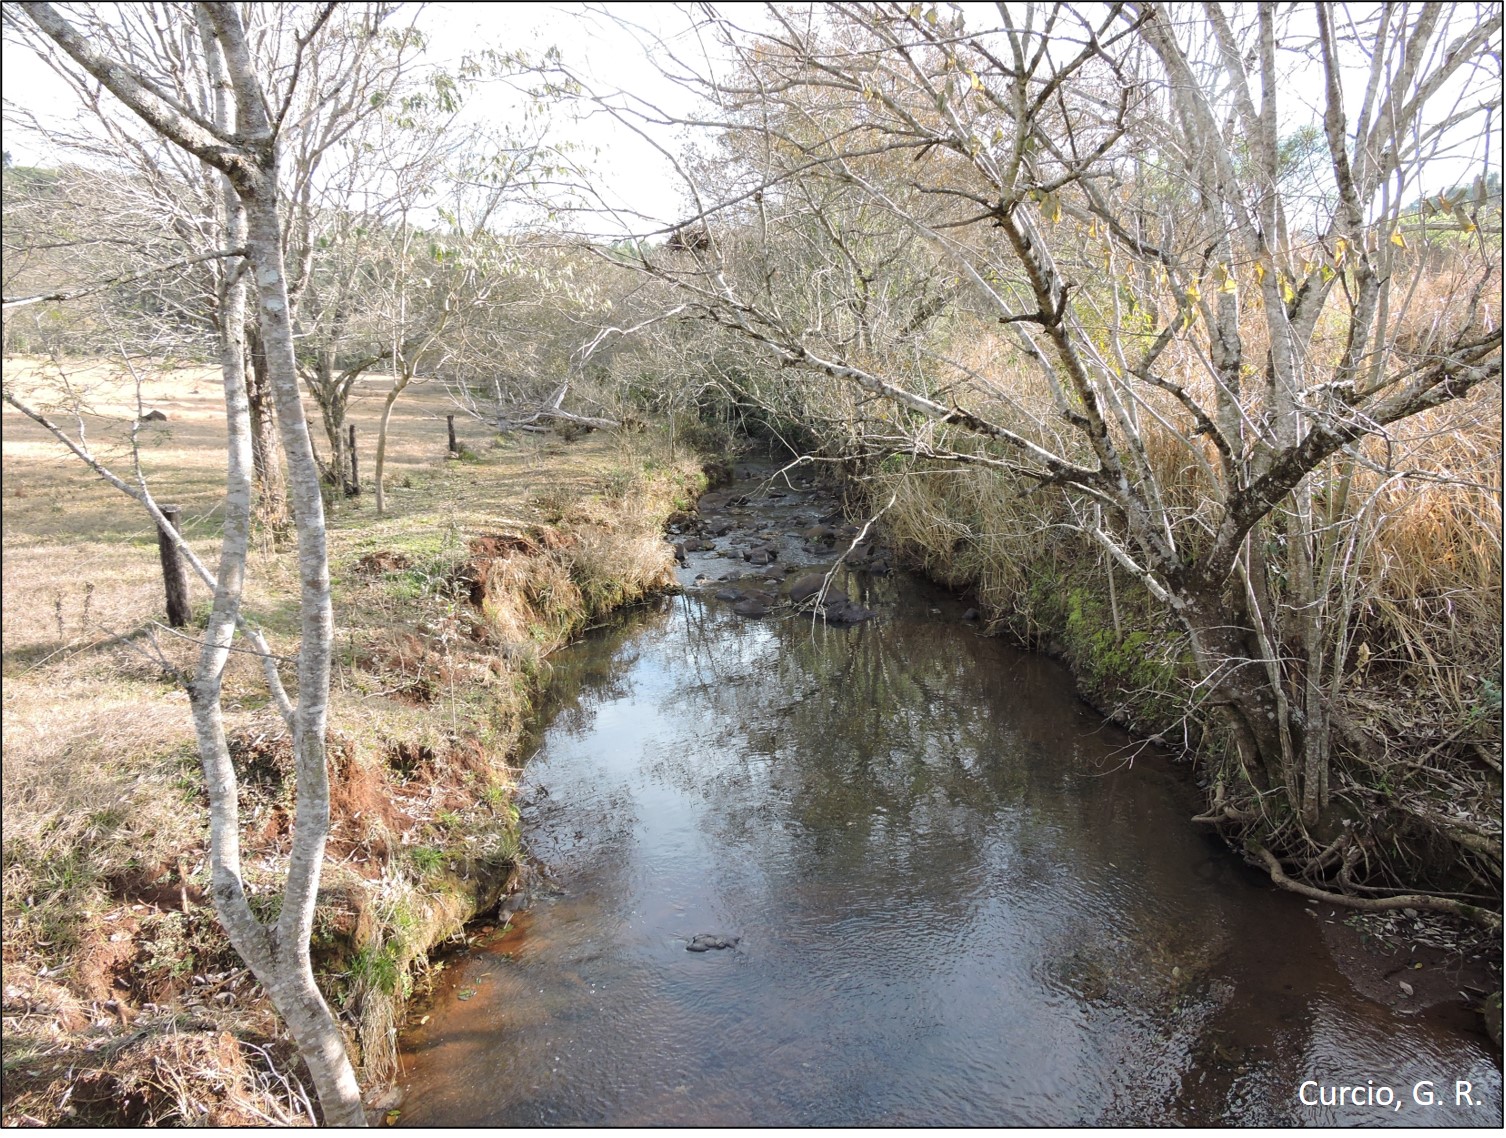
531, 422
553, 408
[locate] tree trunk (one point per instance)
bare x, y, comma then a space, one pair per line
331, 405
381, 448
174, 580
1243, 688
1239, 685
272, 490
278, 955
321, 1043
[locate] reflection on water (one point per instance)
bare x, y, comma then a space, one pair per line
961, 900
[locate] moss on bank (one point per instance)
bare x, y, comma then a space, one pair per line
1048, 589
123, 1002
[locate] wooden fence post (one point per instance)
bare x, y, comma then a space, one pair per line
454, 446
173, 578
355, 477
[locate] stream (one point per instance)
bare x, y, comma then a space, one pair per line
885, 870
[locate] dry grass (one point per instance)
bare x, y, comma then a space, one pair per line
445, 609
1415, 514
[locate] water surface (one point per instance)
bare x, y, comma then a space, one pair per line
960, 899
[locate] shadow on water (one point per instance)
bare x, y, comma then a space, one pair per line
960, 898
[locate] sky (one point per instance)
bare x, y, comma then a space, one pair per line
638, 178
635, 177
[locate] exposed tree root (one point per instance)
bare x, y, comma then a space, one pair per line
1474, 913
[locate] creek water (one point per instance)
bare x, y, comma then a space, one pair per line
959, 898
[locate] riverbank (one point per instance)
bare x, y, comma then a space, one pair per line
123, 1003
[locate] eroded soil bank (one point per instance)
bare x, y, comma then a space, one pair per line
123, 1004
931, 885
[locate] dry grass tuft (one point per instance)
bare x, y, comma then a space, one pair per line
160, 1074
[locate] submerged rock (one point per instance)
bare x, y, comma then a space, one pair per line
807, 586
843, 611
1490, 1011
836, 606
705, 942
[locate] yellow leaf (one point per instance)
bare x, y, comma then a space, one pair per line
977, 84
931, 17
1288, 293
1259, 273
1192, 292
1399, 240
1340, 247
1229, 285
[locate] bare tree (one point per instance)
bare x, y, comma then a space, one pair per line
1202, 342
235, 121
